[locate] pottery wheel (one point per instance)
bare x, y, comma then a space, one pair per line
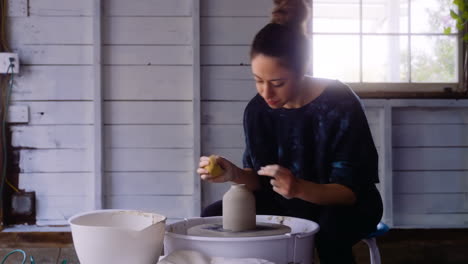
216, 230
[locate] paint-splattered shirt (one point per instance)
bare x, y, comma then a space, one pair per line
325, 141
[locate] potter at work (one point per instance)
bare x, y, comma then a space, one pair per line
309, 150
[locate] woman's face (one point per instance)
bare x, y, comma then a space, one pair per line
275, 83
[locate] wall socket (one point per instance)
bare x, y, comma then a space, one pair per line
5, 62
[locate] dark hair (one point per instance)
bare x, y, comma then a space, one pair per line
284, 37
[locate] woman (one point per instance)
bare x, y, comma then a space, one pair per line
309, 150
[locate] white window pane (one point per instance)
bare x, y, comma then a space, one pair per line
336, 16
385, 16
336, 57
434, 59
431, 16
385, 59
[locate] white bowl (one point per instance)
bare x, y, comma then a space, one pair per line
118, 236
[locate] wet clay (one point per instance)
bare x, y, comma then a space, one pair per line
239, 218
239, 209
216, 230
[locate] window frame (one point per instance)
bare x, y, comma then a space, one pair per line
404, 89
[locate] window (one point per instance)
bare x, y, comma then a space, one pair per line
386, 45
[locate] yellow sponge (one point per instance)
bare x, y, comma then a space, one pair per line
213, 168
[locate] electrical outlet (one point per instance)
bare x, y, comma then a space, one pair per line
23, 203
23, 208
5, 59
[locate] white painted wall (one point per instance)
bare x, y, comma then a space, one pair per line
147, 75
148, 90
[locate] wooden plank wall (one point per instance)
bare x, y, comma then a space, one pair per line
226, 32
148, 120
56, 83
147, 56
430, 152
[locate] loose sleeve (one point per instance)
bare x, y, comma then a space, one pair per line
247, 157
354, 160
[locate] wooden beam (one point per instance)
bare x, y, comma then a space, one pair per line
435, 103
386, 147
97, 180
196, 104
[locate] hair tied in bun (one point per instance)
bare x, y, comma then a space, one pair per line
292, 13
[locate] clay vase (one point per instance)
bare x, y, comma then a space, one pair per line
239, 209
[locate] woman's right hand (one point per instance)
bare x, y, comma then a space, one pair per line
230, 171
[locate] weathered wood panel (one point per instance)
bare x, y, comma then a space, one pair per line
225, 30
59, 207
112, 55
431, 203
52, 137
235, 8
438, 115
147, 113
227, 83
170, 206
54, 55
223, 136
411, 159
55, 184
55, 160
53, 83
122, 136
60, 8
147, 91
430, 135
80, 160
225, 55
43, 30
431, 220
148, 8
17, 8
147, 55
113, 8
149, 183
119, 30
121, 83
54, 113
148, 136
147, 31
148, 83
118, 112
147, 160
420, 182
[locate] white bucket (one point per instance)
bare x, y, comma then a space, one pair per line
294, 247
118, 236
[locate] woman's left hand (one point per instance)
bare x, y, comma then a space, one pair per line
283, 181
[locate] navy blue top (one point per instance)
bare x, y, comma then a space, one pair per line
325, 141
